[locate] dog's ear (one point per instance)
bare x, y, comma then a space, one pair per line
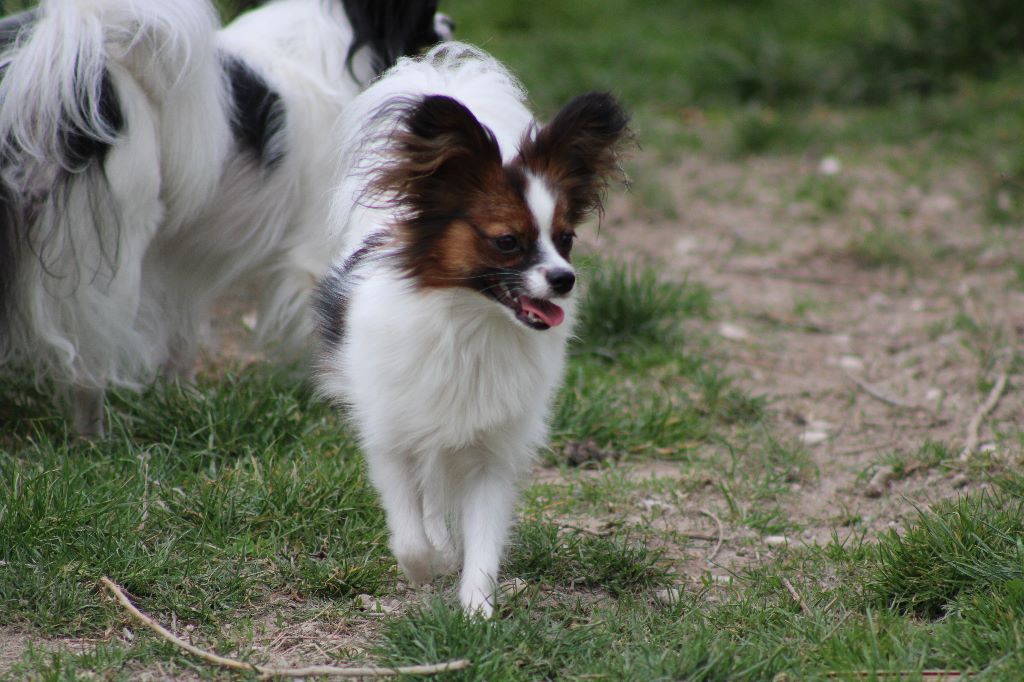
441, 157
578, 151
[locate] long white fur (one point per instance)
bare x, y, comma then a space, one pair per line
265, 226
300, 48
129, 267
449, 393
79, 285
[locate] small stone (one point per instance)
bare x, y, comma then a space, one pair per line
249, 321
732, 332
879, 483
938, 203
851, 363
367, 602
649, 503
933, 395
959, 481
668, 596
128, 634
776, 540
879, 300
510, 589
586, 453
812, 437
830, 165
686, 245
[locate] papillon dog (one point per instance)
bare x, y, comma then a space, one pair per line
444, 320
149, 162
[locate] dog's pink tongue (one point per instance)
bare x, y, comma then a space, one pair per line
550, 313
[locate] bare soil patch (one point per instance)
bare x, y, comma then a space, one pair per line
859, 360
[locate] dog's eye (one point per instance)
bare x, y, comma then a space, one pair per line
564, 240
506, 243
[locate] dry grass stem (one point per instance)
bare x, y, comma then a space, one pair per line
973, 436
881, 396
267, 671
796, 596
721, 534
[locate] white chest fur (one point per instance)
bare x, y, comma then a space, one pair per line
436, 370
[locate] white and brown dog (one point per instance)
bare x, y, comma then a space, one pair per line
444, 322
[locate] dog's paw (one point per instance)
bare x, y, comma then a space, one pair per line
477, 602
416, 566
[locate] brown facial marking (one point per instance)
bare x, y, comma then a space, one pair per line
459, 207
465, 250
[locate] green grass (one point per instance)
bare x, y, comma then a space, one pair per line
245, 501
213, 505
186, 509
751, 630
883, 247
972, 546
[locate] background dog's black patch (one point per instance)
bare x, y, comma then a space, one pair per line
259, 113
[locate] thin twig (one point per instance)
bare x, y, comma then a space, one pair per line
699, 536
864, 448
927, 674
266, 671
796, 596
974, 426
586, 531
882, 396
721, 535
145, 493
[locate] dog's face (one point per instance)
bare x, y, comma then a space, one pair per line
504, 230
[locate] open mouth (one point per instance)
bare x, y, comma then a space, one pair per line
536, 313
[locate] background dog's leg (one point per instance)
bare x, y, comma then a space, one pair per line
180, 366
487, 504
87, 411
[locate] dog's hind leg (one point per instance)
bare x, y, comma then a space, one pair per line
437, 496
393, 477
87, 411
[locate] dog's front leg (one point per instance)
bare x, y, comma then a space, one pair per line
487, 506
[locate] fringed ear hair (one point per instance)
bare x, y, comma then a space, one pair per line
578, 151
440, 156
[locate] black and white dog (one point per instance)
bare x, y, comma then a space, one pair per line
149, 161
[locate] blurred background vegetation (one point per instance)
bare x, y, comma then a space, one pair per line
772, 52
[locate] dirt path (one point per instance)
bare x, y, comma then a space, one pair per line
873, 308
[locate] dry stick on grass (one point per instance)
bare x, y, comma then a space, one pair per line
974, 426
266, 671
721, 535
881, 396
796, 596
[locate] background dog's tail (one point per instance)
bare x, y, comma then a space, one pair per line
55, 95
89, 91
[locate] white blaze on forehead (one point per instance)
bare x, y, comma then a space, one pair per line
541, 202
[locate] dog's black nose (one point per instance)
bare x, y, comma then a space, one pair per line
561, 281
